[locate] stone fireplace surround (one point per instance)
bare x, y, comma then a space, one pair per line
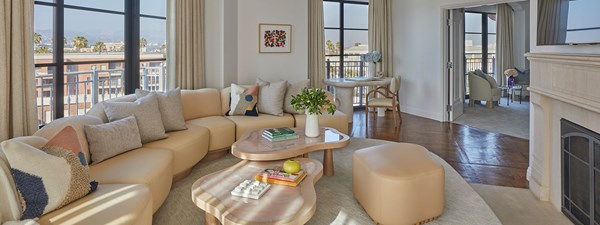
562, 86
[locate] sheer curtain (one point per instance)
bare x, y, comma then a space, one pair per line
187, 59
18, 112
380, 34
504, 43
316, 44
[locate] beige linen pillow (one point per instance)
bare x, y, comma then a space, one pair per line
169, 104
110, 139
294, 89
271, 96
146, 113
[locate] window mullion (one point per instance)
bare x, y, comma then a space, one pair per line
59, 48
342, 29
132, 43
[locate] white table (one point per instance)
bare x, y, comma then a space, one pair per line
344, 91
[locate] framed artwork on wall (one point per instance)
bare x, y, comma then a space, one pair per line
274, 38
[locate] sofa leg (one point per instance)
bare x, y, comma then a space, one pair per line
471, 103
489, 104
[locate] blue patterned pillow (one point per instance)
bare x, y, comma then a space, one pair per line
50, 178
243, 101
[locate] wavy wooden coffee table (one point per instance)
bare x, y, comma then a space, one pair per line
279, 205
254, 147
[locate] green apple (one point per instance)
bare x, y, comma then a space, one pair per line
292, 166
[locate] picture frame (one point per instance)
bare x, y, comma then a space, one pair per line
274, 38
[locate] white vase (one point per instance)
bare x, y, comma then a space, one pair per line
372, 69
312, 125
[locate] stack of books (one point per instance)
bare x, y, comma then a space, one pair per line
276, 175
279, 134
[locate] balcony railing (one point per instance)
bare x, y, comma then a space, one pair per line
473, 61
84, 89
351, 69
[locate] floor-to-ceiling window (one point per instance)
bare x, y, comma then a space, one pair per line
480, 42
90, 51
346, 38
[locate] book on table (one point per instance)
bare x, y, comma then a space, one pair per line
276, 175
282, 138
279, 132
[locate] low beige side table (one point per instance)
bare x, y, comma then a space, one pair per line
279, 205
256, 148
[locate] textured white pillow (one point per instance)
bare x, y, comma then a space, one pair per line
110, 139
294, 89
169, 104
146, 113
271, 96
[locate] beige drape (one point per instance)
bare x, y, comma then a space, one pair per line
380, 34
504, 41
189, 44
316, 44
552, 20
18, 113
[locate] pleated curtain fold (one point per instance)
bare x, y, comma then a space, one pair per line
189, 44
552, 20
18, 112
504, 43
381, 34
316, 44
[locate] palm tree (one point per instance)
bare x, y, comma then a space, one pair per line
80, 42
37, 38
143, 43
43, 50
330, 46
64, 41
99, 47
338, 46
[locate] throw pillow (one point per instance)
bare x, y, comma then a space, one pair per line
49, 178
271, 96
146, 113
243, 101
169, 104
110, 139
294, 89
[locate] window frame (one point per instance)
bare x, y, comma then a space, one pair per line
484, 39
132, 60
342, 28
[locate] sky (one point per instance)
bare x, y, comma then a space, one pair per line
355, 16
102, 26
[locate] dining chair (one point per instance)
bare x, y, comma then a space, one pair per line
383, 97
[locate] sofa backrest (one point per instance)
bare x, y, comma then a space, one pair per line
77, 122
98, 109
200, 103
10, 206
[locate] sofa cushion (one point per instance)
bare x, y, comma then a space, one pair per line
271, 96
338, 121
201, 103
246, 124
293, 89
111, 204
98, 109
152, 167
222, 131
188, 147
169, 105
110, 139
146, 113
77, 122
49, 179
243, 101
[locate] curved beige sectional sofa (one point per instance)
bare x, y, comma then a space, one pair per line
134, 185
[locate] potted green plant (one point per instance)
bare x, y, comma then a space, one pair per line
313, 102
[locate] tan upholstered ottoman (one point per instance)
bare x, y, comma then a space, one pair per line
398, 183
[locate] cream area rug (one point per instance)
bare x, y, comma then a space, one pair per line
335, 200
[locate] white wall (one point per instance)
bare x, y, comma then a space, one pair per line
521, 34
577, 49
214, 33
290, 66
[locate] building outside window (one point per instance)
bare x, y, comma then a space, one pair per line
346, 38
91, 62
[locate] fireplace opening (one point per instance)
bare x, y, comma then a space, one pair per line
580, 167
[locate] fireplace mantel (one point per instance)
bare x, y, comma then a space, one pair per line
562, 86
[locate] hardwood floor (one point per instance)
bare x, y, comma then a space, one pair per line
480, 156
